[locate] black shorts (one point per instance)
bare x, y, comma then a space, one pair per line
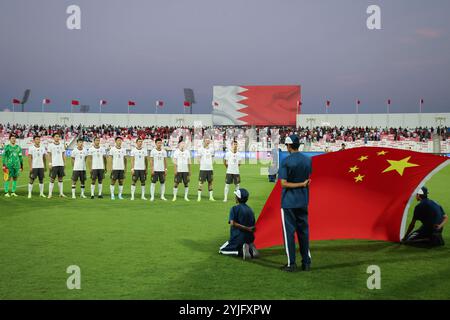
37, 173
232, 178
182, 176
79, 174
205, 175
57, 172
117, 174
98, 174
140, 175
158, 175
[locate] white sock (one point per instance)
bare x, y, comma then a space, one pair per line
82, 191
133, 189
92, 190
120, 190
73, 191
163, 189
199, 193
211, 194
30, 188
100, 189
175, 191
186, 192
60, 187
142, 191
226, 190
152, 190
50, 188
237, 187
111, 189
41, 188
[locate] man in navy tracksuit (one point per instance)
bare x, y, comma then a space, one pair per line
433, 219
242, 227
294, 173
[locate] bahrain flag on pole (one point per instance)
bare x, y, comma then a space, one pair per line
255, 105
360, 193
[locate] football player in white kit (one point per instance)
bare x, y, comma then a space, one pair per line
36, 161
98, 166
182, 170
158, 169
119, 164
232, 161
139, 164
206, 155
79, 155
57, 159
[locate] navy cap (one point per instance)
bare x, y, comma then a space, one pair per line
423, 191
292, 139
242, 194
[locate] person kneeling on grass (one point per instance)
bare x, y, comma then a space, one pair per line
242, 227
433, 219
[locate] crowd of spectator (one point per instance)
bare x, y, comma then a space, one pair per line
307, 135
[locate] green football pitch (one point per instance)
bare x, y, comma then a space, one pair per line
164, 250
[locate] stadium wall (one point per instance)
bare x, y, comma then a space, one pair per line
410, 120
119, 119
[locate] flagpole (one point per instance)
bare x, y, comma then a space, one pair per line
42, 109
14, 108
420, 106
100, 107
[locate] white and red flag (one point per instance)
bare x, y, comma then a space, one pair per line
255, 105
103, 102
159, 103
46, 101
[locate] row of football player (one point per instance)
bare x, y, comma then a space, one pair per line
140, 162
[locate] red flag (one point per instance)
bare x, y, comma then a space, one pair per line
131, 103
328, 103
358, 102
215, 104
75, 102
159, 103
15, 101
421, 101
187, 104
46, 101
103, 102
359, 193
389, 101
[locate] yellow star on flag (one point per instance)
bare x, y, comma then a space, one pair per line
362, 158
359, 178
399, 165
353, 169
382, 153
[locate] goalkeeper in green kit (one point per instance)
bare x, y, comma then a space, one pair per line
12, 163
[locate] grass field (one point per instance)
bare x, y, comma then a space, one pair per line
164, 250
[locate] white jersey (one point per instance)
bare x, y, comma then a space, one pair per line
181, 159
139, 158
57, 151
37, 156
206, 158
118, 156
80, 159
233, 160
158, 159
97, 155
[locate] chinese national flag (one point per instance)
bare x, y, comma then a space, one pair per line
75, 102
15, 101
131, 103
359, 193
187, 104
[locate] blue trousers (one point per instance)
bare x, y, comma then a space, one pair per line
296, 220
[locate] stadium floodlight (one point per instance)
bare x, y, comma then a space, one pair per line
26, 96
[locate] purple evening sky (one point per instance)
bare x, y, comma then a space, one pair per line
147, 50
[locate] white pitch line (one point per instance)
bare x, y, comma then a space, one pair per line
26, 185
